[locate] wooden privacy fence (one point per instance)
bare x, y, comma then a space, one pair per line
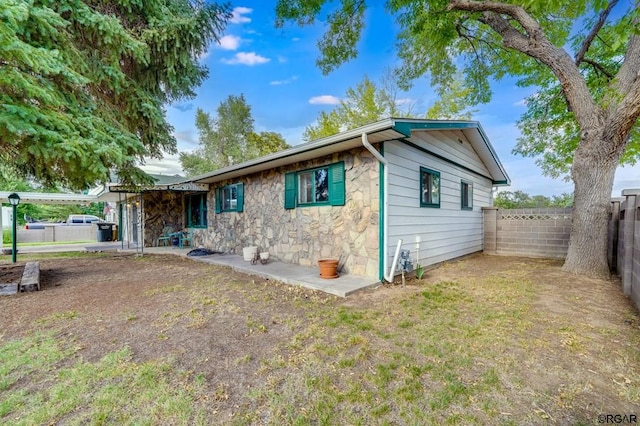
544, 232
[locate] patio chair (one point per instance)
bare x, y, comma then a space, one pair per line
167, 235
186, 237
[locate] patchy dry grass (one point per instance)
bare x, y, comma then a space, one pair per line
480, 341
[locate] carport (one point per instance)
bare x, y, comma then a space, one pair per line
130, 201
95, 196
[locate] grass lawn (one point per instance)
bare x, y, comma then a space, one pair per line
166, 340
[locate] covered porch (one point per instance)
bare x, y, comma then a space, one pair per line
150, 215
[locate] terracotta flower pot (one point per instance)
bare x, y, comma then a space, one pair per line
328, 268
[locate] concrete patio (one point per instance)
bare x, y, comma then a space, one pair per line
286, 273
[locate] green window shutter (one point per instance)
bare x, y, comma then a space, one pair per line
240, 197
336, 184
290, 190
218, 201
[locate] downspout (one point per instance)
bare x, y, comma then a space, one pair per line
387, 276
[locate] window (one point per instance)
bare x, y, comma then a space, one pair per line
466, 195
429, 188
313, 186
320, 186
230, 198
196, 211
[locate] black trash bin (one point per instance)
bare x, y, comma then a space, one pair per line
105, 232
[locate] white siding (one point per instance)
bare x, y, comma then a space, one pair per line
450, 144
446, 232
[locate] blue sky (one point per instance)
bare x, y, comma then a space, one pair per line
276, 71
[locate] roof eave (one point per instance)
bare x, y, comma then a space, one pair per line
290, 155
499, 174
345, 140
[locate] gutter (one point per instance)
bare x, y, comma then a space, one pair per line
387, 276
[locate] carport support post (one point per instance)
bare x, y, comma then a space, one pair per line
14, 233
1, 228
14, 199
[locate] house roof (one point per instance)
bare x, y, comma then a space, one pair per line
161, 183
166, 179
380, 131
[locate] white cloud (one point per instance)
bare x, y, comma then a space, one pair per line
229, 42
246, 58
169, 165
521, 103
185, 138
406, 101
237, 15
282, 82
324, 100
282, 59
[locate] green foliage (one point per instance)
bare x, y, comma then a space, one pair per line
328, 123
228, 138
419, 271
522, 200
484, 41
453, 103
83, 84
362, 105
550, 132
267, 142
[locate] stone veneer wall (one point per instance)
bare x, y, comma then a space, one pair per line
163, 209
305, 234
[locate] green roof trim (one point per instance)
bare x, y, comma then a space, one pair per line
405, 127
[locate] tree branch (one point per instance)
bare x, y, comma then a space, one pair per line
531, 40
594, 32
628, 73
530, 25
624, 111
598, 67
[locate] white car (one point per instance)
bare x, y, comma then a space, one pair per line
82, 219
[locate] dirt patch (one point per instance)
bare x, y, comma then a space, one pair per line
223, 325
10, 276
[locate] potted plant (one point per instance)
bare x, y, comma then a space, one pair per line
328, 268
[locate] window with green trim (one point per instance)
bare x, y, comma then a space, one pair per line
230, 198
313, 187
196, 211
429, 188
466, 195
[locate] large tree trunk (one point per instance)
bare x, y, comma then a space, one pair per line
593, 173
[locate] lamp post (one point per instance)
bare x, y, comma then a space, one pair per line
14, 200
